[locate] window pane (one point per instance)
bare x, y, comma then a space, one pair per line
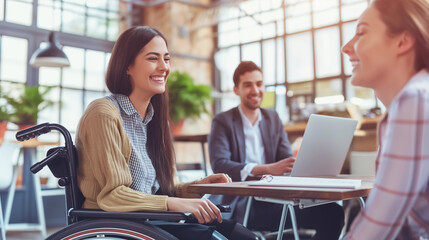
49, 76
1, 10
298, 17
228, 33
73, 75
269, 68
94, 74
363, 97
353, 11
252, 52
19, 12
228, 101
281, 106
250, 6
299, 53
268, 30
228, 38
349, 30
271, 16
113, 26
100, 4
249, 30
280, 28
226, 61
49, 16
322, 5
71, 111
296, 24
227, 26
96, 23
329, 91
51, 114
14, 59
326, 17
73, 19
228, 13
91, 96
325, 12
327, 42
280, 61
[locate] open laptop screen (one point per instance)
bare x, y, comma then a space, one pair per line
324, 146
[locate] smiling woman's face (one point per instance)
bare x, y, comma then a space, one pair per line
149, 72
371, 50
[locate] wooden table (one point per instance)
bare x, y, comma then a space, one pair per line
288, 196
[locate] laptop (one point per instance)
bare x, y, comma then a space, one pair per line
324, 146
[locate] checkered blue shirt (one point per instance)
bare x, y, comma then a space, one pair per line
142, 171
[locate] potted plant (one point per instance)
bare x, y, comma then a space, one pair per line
4, 115
28, 104
4, 119
187, 100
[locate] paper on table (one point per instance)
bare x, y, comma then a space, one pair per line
286, 181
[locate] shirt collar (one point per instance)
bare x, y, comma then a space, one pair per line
128, 108
246, 121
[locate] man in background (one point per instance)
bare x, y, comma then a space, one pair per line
250, 141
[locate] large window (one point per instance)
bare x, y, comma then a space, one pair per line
298, 45
86, 29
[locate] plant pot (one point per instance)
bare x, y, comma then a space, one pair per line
176, 129
24, 126
3, 129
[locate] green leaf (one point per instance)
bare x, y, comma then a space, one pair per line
187, 100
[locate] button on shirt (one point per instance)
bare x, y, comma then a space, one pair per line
254, 145
142, 171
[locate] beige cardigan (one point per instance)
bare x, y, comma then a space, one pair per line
103, 175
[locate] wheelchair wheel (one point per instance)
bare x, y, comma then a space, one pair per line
111, 229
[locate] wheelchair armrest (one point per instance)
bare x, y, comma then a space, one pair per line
150, 215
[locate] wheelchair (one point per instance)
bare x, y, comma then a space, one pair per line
91, 223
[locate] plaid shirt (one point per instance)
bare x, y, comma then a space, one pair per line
398, 206
142, 171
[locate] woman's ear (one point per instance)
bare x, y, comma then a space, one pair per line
406, 42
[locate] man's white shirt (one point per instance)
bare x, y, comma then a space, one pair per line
254, 145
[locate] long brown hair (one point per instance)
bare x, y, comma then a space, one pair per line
159, 140
411, 16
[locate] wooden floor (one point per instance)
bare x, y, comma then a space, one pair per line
18, 235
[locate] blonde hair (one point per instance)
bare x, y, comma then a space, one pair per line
411, 16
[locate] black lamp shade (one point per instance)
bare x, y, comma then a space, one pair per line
50, 56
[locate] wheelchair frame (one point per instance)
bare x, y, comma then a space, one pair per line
92, 223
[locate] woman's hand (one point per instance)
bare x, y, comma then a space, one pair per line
202, 209
215, 178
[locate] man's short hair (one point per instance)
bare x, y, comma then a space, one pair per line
244, 67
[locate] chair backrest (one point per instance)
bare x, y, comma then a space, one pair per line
62, 162
9, 153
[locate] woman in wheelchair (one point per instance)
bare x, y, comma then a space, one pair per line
125, 149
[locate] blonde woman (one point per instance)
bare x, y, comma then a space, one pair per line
390, 54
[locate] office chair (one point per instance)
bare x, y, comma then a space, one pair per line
90, 223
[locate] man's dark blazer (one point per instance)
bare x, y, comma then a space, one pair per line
227, 150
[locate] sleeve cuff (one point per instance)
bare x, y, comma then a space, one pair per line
247, 171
